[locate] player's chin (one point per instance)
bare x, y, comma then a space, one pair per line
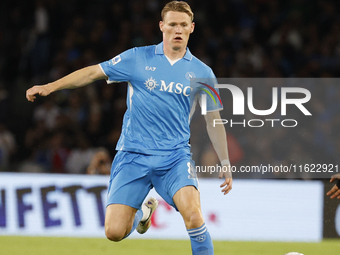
176, 48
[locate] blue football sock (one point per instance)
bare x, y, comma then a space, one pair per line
201, 243
138, 217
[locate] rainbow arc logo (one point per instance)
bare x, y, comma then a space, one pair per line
209, 93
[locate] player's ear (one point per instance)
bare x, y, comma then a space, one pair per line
161, 24
192, 27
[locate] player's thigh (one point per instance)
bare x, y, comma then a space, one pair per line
175, 176
129, 180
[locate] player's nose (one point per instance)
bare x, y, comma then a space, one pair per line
178, 30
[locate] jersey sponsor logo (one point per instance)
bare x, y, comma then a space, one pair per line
116, 60
150, 68
177, 88
172, 87
151, 84
190, 75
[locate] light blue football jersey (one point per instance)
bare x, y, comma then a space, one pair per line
157, 119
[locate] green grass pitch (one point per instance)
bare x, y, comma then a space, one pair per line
15, 245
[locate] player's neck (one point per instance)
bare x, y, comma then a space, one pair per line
174, 54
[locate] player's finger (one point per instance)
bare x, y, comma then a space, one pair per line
30, 97
334, 189
332, 179
220, 174
30, 94
224, 183
335, 194
227, 189
228, 183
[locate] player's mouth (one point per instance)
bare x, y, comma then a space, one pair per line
178, 38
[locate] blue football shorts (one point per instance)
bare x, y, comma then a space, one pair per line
133, 175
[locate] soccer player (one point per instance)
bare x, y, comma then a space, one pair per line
335, 190
153, 149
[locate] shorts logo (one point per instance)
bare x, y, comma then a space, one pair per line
116, 60
191, 171
201, 238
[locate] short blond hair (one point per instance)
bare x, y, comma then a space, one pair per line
177, 6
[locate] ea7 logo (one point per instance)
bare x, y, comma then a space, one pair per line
238, 100
150, 68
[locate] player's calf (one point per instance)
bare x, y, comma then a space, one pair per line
201, 242
188, 204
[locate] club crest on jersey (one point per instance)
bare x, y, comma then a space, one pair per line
116, 60
190, 75
151, 84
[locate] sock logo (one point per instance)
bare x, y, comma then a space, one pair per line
201, 238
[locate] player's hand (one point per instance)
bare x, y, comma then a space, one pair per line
227, 185
41, 90
335, 191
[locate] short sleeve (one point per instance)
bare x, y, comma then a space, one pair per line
121, 67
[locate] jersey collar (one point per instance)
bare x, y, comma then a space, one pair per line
159, 51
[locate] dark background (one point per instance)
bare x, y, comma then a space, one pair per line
41, 41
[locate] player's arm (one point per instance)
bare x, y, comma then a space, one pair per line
335, 191
218, 138
76, 79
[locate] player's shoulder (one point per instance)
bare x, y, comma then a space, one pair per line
201, 65
142, 51
145, 49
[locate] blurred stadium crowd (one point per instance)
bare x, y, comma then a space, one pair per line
41, 41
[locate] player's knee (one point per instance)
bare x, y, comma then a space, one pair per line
194, 219
114, 234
